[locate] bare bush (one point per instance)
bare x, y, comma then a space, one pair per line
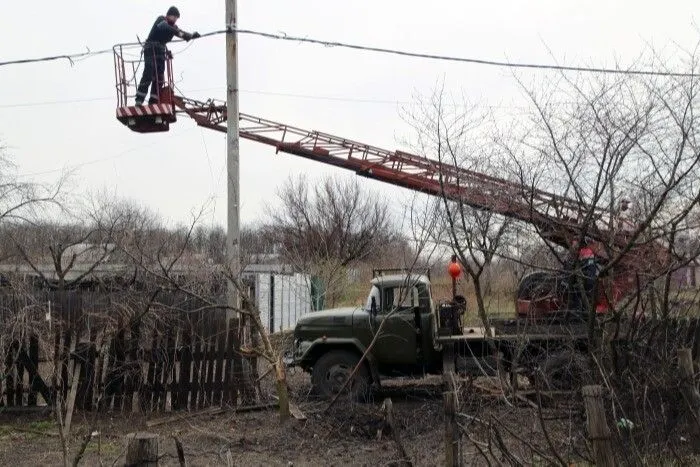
606, 141
323, 228
453, 134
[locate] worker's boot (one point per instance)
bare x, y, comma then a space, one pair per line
139, 99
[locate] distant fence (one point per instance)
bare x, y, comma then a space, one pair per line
116, 351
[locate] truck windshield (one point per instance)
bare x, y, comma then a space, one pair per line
374, 292
399, 298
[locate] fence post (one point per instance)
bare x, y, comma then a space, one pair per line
598, 431
452, 458
690, 391
452, 434
142, 450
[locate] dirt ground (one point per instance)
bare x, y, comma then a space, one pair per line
344, 435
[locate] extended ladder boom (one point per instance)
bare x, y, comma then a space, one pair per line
558, 218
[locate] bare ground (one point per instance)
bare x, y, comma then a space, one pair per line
344, 435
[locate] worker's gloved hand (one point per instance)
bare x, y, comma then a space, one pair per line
187, 36
169, 54
195, 35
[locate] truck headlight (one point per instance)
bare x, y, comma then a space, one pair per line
300, 347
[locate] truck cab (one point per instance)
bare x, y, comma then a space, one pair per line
397, 323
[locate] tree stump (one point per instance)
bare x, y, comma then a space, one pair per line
388, 409
142, 450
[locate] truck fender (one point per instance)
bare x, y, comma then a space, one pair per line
322, 345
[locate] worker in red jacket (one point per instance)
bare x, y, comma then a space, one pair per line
583, 276
155, 51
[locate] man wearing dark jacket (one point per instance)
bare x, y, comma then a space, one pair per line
154, 53
583, 266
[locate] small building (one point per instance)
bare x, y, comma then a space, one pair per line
281, 295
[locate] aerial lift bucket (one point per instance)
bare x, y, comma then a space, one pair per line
146, 118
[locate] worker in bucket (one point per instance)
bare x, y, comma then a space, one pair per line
155, 51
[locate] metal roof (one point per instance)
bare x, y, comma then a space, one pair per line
400, 279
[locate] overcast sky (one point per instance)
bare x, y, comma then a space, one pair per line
180, 171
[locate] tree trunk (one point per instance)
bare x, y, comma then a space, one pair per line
282, 392
481, 307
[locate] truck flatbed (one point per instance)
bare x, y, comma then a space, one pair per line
521, 330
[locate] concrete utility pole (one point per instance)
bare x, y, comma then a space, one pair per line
233, 231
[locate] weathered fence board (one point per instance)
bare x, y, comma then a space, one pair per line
178, 356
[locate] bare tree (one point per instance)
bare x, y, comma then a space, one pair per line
21, 199
175, 260
604, 141
453, 134
592, 144
625, 149
64, 254
323, 228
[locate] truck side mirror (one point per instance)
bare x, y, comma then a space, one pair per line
373, 307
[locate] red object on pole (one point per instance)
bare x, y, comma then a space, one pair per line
455, 270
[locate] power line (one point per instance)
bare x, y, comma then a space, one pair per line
118, 155
243, 91
359, 100
58, 102
285, 37
72, 58
477, 61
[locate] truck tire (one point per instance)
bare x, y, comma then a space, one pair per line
331, 371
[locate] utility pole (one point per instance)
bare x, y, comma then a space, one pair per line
232, 156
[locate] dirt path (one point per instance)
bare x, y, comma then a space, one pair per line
345, 435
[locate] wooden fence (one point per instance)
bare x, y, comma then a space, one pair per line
117, 351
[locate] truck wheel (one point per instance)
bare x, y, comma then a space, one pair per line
332, 370
562, 371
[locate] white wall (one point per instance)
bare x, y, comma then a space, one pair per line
292, 299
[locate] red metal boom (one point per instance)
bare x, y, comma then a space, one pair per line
558, 218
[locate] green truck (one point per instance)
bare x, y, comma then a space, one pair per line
408, 334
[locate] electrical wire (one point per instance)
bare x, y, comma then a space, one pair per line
58, 102
242, 91
72, 58
119, 155
358, 100
285, 37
